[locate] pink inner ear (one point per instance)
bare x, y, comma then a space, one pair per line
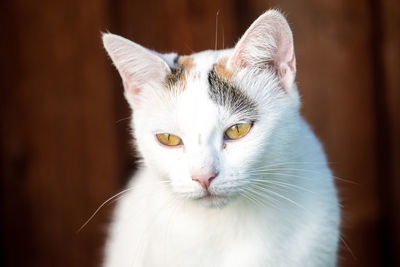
239, 60
131, 88
132, 92
285, 54
292, 63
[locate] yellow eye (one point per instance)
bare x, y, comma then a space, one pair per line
238, 130
169, 139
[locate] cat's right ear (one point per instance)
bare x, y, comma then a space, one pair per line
137, 66
267, 44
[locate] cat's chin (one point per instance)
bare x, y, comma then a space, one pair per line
213, 201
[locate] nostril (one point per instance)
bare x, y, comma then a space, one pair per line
211, 178
204, 180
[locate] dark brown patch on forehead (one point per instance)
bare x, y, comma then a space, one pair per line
177, 74
187, 62
225, 93
177, 77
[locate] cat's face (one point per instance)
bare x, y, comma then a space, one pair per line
204, 122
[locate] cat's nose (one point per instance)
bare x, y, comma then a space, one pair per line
204, 179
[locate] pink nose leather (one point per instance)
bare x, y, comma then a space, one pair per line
204, 179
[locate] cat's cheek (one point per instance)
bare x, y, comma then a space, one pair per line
182, 185
239, 155
237, 151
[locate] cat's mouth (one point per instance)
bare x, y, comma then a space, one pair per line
210, 197
213, 200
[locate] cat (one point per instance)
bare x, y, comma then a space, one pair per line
231, 174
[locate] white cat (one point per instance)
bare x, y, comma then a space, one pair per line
231, 175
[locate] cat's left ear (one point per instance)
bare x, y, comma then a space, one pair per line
267, 44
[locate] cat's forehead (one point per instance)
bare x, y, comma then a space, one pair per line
198, 65
204, 78
191, 80
203, 61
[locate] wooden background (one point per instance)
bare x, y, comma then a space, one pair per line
64, 148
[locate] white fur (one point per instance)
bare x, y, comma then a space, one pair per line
276, 203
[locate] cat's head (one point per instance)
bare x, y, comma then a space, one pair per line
206, 121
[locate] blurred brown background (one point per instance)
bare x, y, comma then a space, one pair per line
64, 148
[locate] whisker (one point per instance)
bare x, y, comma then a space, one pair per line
263, 199
252, 198
101, 206
188, 47
111, 200
216, 30
123, 119
347, 247
262, 190
282, 184
223, 36
272, 171
286, 163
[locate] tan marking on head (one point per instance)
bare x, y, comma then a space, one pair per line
222, 70
187, 62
